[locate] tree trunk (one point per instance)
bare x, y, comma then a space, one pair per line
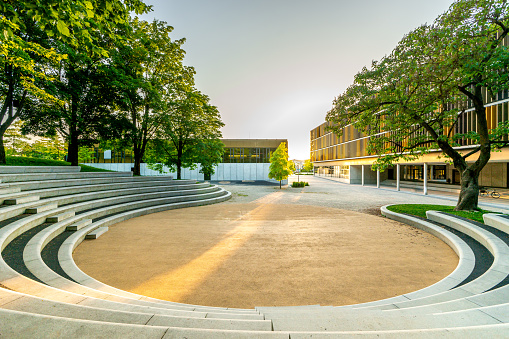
279, 184
179, 159
137, 162
469, 194
73, 149
3, 161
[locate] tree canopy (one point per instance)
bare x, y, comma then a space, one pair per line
28, 33
189, 126
411, 101
279, 165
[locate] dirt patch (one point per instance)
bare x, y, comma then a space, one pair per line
373, 211
266, 254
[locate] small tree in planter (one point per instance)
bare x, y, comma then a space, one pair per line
279, 164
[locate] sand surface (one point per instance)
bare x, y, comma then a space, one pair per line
265, 254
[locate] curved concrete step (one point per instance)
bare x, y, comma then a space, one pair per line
24, 177
70, 190
14, 301
34, 185
38, 169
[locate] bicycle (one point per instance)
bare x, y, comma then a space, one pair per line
495, 194
484, 192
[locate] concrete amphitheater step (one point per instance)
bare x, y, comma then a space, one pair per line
491, 278
41, 208
26, 177
55, 192
96, 233
42, 326
78, 225
38, 169
23, 303
21, 200
57, 183
36, 265
500, 222
11, 211
220, 198
8, 191
60, 217
343, 320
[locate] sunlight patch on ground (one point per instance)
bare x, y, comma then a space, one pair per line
184, 280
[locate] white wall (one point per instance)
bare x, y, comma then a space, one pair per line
223, 171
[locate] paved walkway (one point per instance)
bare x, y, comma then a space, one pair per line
268, 247
327, 192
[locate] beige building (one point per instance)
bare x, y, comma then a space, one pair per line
346, 159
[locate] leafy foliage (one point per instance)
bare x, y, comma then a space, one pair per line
146, 70
279, 165
410, 101
308, 166
190, 127
28, 32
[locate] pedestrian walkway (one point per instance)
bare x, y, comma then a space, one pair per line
448, 198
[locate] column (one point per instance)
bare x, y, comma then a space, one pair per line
362, 175
377, 178
425, 179
398, 166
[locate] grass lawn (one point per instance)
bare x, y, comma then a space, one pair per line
420, 211
23, 161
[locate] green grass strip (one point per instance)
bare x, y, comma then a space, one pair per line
25, 161
419, 210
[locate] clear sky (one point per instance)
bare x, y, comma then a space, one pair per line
273, 67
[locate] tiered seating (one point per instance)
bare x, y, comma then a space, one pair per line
52, 297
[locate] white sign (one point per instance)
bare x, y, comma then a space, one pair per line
107, 154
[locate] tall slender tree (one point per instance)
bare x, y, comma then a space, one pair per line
146, 68
279, 165
189, 124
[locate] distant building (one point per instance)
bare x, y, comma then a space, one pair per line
299, 164
243, 159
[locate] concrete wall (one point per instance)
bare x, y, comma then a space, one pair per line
494, 174
369, 175
224, 171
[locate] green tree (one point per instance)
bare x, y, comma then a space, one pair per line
85, 96
291, 166
26, 58
190, 123
279, 164
308, 166
410, 101
146, 69
209, 153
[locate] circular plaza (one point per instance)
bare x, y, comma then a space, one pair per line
322, 244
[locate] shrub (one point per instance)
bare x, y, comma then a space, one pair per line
299, 184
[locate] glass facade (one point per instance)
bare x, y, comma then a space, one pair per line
247, 155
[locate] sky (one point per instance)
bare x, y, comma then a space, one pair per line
273, 67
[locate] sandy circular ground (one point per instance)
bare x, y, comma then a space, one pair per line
265, 254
